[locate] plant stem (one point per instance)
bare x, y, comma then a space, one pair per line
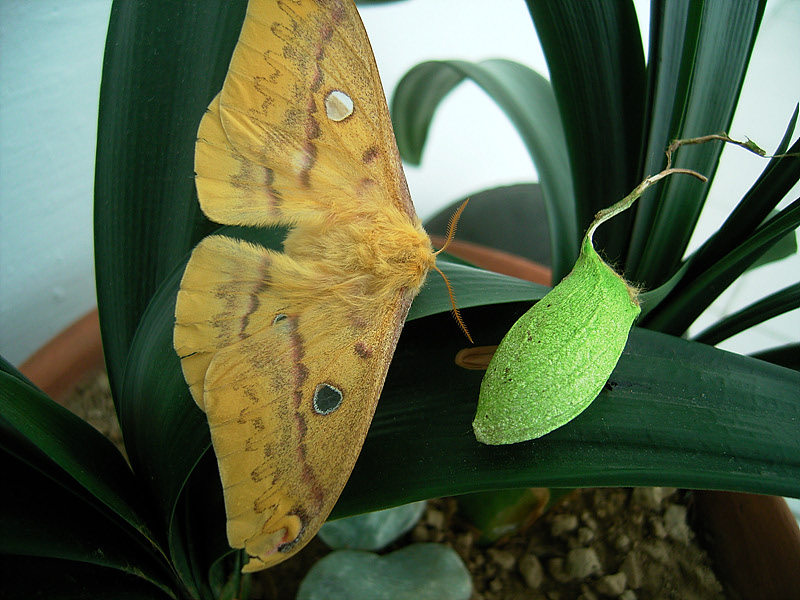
624, 204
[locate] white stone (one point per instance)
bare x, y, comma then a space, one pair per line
583, 562
531, 570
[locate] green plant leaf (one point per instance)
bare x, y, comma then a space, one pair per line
786, 356
776, 180
666, 389
699, 53
165, 431
596, 61
773, 305
778, 177
527, 99
75, 496
675, 413
44, 519
163, 63
783, 248
63, 446
517, 216
32, 577
473, 287
688, 302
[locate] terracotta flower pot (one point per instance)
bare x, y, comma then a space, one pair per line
68, 359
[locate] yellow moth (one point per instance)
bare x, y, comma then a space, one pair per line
286, 352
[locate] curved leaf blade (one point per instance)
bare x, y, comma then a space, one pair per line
596, 61
44, 520
163, 63
56, 442
686, 303
699, 56
677, 415
527, 100
64, 579
771, 306
673, 401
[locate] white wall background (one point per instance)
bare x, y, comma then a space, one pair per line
50, 65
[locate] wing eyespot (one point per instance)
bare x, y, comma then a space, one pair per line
338, 105
327, 399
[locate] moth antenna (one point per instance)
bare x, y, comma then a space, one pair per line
451, 232
456, 312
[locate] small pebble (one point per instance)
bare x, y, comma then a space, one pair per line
612, 585
658, 550
583, 562
562, 525
531, 570
650, 498
675, 523
585, 536
657, 527
622, 543
632, 567
555, 566
465, 540
503, 558
588, 520
435, 518
420, 533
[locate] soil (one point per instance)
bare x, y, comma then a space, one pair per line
629, 544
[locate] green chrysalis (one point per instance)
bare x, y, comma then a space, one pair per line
556, 358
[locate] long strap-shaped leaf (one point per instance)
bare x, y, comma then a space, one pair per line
772, 306
74, 496
527, 99
684, 305
674, 413
699, 52
163, 63
596, 62
678, 413
778, 177
776, 180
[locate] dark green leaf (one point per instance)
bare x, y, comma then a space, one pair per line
53, 440
773, 305
509, 218
44, 519
675, 413
527, 99
786, 356
164, 62
783, 248
698, 57
54, 579
422, 444
775, 181
596, 61
778, 177
686, 303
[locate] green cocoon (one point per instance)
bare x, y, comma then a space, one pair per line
558, 356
